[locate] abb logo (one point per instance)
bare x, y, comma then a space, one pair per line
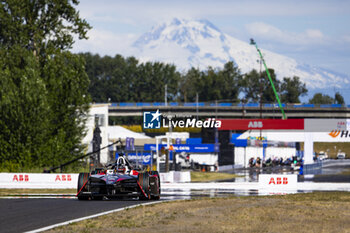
341, 124
279, 180
63, 178
255, 124
24, 178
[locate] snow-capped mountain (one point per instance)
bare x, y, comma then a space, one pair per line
191, 43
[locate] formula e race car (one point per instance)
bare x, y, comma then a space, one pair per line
117, 180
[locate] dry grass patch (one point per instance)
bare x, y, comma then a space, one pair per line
211, 176
313, 212
331, 148
345, 172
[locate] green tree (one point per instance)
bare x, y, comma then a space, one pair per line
292, 89
319, 98
44, 96
108, 77
339, 98
67, 84
127, 83
40, 25
255, 85
209, 86
212, 84
232, 79
190, 84
119, 79
23, 110
151, 81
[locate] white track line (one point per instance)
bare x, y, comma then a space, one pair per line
92, 216
304, 186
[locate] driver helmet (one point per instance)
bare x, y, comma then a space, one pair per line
121, 168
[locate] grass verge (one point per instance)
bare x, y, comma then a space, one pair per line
311, 212
210, 176
4, 192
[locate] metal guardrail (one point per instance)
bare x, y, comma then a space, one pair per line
313, 169
205, 104
316, 168
335, 162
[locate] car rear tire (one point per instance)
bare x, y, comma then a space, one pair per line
143, 179
156, 197
82, 179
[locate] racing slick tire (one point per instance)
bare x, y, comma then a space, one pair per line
82, 179
156, 197
143, 179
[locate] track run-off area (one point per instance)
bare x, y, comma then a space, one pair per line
36, 212
28, 214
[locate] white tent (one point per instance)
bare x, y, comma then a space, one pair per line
115, 132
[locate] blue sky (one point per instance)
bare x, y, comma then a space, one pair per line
314, 32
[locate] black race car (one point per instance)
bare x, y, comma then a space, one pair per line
119, 179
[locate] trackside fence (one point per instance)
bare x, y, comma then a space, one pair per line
66, 180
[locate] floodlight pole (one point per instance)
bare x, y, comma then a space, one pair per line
252, 42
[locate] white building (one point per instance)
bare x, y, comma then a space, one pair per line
97, 113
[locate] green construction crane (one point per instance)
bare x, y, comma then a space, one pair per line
252, 42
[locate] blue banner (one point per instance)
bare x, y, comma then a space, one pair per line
127, 143
141, 158
194, 148
132, 143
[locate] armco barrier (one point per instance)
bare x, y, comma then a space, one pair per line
182, 177
38, 180
66, 181
167, 177
175, 177
313, 169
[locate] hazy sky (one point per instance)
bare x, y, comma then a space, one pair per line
314, 32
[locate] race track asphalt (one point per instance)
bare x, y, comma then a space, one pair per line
20, 215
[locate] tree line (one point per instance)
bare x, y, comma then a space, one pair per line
43, 87
119, 79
